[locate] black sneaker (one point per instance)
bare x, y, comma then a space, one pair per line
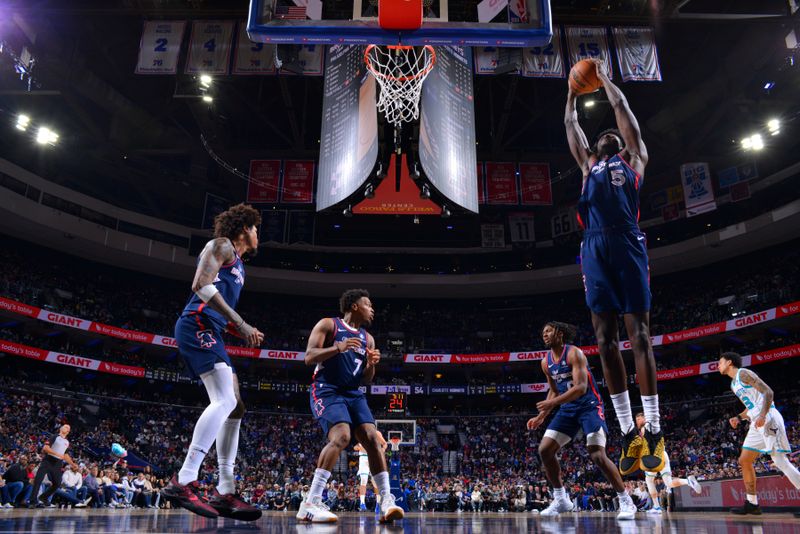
232, 506
747, 509
186, 496
632, 444
653, 451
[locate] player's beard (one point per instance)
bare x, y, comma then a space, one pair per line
607, 150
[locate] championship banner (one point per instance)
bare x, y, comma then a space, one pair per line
544, 61
265, 176
481, 184
698, 192
298, 182
534, 184
210, 47
501, 183
636, 54
311, 59
251, 58
25, 351
160, 47
589, 42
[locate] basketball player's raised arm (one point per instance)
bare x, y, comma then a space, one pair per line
317, 352
626, 122
751, 379
217, 253
578, 144
373, 357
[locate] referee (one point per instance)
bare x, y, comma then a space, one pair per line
55, 454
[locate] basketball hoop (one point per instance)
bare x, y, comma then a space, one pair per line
400, 71
394, 443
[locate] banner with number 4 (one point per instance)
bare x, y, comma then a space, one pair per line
589, 42
160, 47
210, 47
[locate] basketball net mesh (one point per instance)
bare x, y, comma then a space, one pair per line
394, 443
400, 71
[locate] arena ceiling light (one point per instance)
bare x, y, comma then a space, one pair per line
46, 136
774, 126
753, 142
589, 104
205, 80
208, 99
22, 122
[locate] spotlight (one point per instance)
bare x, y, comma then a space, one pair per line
588, 104
758, 142
747, 143
348, 212
22, 122
774, 126
46, 136
369, 192
446, 212
208, 98
425, 193
205, 80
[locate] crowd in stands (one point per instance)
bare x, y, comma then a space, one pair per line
497, 467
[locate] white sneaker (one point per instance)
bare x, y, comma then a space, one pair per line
79, 505
558, 506
694, 484
315, 513
389, 510
627, 510
654, 511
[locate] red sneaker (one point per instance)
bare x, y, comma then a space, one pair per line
231, 505
186, 496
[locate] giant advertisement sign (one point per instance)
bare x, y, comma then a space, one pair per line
773, 491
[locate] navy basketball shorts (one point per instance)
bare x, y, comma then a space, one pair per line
200, 344
616, 274
568, 421
331, 406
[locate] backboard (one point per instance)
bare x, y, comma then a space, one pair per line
518, 23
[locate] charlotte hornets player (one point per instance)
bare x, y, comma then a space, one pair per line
345, 357
767, 432
218, 280
616, 275
573, 393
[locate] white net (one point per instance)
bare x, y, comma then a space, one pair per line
400, 71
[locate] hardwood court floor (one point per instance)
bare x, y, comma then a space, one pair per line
121, 521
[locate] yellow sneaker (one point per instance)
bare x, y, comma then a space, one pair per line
632, 444
652, 458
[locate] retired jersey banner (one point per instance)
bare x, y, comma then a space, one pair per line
210, 47
311, 59
589, 42
534, 184
501, 183
298, 182
485, 58
698, 192
637, 54
265, 176
160, 47
252, 58
544, 61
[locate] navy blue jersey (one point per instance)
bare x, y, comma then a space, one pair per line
229, 283
610, 196
561, 373
344, 370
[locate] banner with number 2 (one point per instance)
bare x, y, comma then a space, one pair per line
589, 42
160, 47
210, 47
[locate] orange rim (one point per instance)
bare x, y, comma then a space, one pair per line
420, 74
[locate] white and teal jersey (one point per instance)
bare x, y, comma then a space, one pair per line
752, 399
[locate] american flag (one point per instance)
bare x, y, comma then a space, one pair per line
290, 12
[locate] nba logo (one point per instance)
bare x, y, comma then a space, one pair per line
206, 339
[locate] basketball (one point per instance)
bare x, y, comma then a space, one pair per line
583, 77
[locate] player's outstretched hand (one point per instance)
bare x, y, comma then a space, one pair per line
349, 344
734, 421
535, 422
373, 356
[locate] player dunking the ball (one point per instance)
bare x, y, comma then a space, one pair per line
666, 476
767, 433
345, 357
218, 280
574, 394
364, 475
615, 268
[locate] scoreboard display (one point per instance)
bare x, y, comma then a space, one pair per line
396, 403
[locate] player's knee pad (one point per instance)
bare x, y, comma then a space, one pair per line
219, 385
559, 437
596, 438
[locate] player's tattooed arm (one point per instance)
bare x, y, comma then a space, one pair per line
751, 379
217, 253
373, 357
578, 144
626, 122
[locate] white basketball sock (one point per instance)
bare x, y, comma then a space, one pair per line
752, 499
321, 477
782, 462
227, 447
622, 407
219, 385
651, 414
382, 481
559, 493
